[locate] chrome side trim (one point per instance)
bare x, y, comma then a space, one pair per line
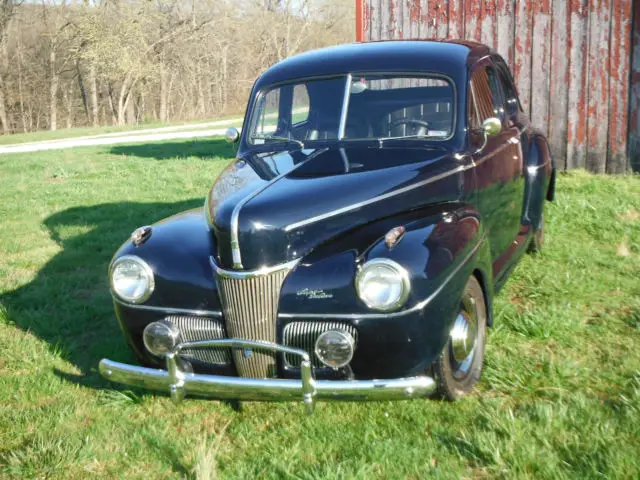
379, 198
345, 108
235, 214
252, 273
170, 310
418, 306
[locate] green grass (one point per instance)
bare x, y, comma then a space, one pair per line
559, 397
47, 135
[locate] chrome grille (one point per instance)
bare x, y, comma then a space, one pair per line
304, 335
250, 307
193, 329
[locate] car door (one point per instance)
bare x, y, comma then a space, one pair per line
498, 167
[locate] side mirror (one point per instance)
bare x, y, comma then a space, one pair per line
492, 126
232, 135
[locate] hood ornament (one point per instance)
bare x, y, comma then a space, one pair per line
140, 235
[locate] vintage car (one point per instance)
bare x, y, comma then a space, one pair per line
380, 196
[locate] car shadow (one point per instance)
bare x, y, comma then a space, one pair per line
198, 147
68, 305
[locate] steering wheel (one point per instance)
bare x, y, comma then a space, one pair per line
422, 129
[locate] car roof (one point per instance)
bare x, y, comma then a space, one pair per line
449, 58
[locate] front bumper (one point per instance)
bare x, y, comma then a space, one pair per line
179, 382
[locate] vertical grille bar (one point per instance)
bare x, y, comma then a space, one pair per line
250, 307
193, 329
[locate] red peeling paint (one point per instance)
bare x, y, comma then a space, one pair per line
570, 59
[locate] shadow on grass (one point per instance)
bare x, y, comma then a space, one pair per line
198, 147
68, 305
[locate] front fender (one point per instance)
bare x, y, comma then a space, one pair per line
441, 248
178, 252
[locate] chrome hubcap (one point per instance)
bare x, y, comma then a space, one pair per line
464, 337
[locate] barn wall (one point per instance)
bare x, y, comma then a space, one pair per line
634, 124
570, 59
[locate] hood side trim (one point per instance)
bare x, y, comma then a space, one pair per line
364, 203
235, 214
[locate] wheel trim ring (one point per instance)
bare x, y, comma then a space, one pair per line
464, 337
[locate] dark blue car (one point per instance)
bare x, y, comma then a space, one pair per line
380, 197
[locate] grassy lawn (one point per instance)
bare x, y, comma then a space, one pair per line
559, 397
47, 135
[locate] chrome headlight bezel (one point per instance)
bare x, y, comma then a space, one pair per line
144, 267
402, 277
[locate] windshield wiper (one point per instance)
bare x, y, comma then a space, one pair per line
381, 140
279, 139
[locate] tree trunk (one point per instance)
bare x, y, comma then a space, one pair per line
163, 94
83, 91
3, 111
53, 90
94, 95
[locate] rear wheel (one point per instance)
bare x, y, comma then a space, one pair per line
458, 368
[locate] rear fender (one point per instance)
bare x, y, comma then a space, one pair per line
539, 181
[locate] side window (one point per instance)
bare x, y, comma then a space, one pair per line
485, 97
268, 113
300, 108
511, 95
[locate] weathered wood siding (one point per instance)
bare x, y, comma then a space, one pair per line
570, 60
634, 124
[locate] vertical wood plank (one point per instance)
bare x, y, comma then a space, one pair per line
432, 19
473, 22
488, 33
375, 23
504, 30
558, 81
394, 23
456, 19
442, 24
424, 19
404, 20
577, 104
414, 18
620, 53
359, 20
522, 60
540, 57
634, 109
598, 90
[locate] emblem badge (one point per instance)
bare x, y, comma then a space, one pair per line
247, 352
314, 294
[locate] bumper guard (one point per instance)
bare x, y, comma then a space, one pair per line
179, 382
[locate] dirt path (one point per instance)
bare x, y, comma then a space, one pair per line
147, 135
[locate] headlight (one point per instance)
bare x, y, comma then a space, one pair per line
382, 284
131, 279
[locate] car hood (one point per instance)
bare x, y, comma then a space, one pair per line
278, 206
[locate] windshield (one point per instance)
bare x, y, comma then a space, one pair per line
358, 107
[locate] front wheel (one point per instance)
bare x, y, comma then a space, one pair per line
458, 368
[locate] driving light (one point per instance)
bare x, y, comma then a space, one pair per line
160, 337
383, 284
131, 279
335, 348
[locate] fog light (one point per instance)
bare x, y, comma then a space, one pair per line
160, 337
335, 348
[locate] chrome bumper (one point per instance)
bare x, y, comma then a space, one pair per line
179, 382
